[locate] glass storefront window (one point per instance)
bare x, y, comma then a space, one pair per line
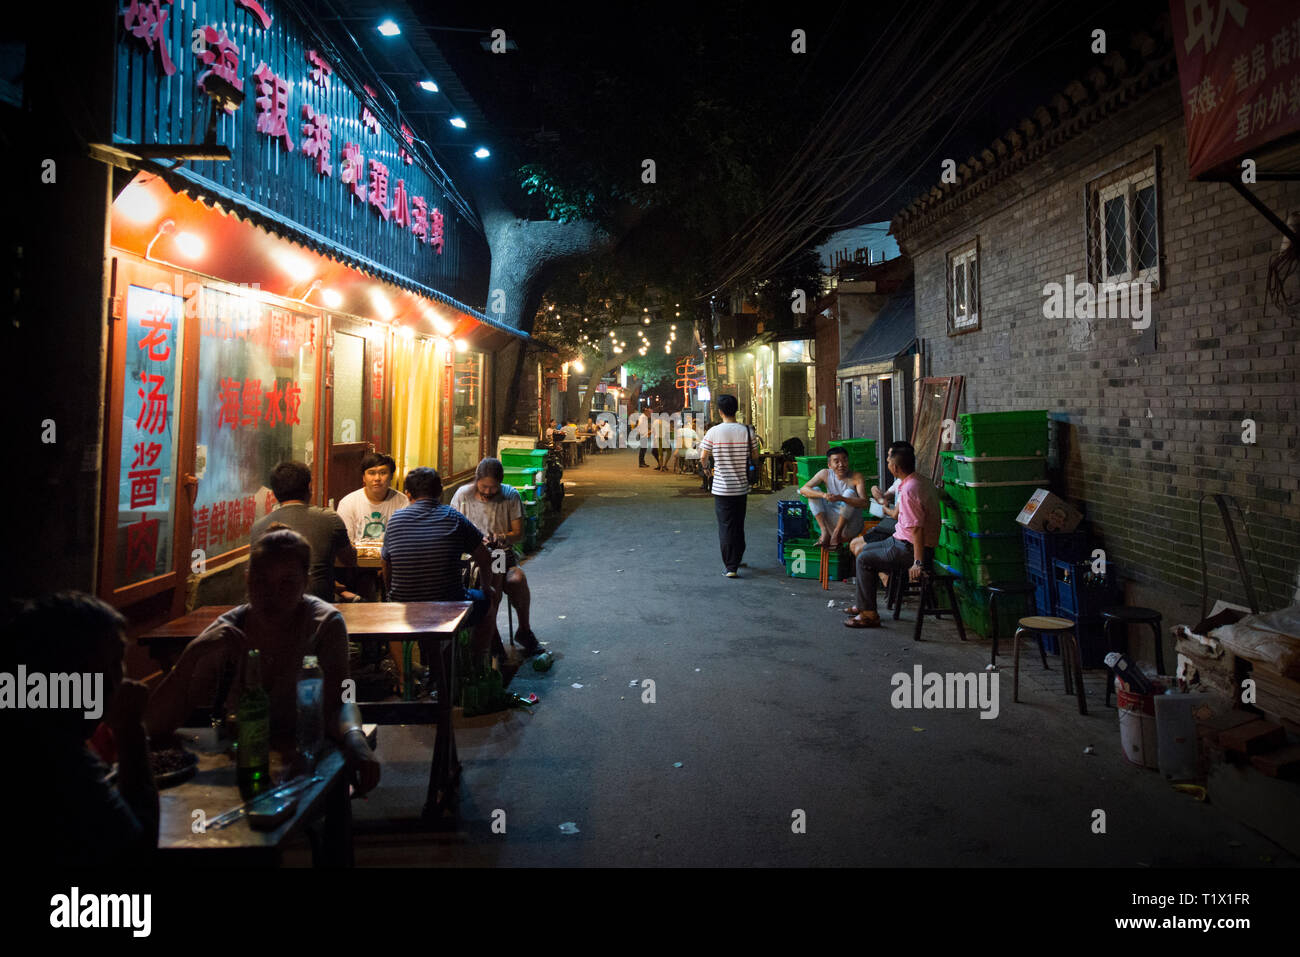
150, 397
256, 407
467, 411
349, 386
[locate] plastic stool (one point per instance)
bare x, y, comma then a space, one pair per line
1070, 659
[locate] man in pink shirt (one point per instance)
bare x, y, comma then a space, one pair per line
917, 530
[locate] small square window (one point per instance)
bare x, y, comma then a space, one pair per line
963, 288
1124, 225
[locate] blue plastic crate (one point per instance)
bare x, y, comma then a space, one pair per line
792, 519
1075, 596
1043, 548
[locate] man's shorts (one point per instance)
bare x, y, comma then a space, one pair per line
481, 606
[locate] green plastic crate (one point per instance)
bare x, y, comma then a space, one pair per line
840, 559
524, 458
519, 476
1004, 434
528, 493
990, 520
991, 496
992, 547
986, 573
1016, 468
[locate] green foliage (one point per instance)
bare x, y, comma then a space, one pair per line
653, 368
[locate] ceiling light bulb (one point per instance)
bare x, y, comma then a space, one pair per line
429, 85
332, 298
190, 245
482, 152
389, 29
457, 122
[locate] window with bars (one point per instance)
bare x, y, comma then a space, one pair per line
964, 288
1124, 225
794, 392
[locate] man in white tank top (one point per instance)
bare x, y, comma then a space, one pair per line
838, 509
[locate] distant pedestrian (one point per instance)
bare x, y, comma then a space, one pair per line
724, 455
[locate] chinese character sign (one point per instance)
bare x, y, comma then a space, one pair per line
1239, 73
149, 396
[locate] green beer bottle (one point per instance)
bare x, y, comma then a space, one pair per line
253, 730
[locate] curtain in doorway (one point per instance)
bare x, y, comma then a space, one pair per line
417, 371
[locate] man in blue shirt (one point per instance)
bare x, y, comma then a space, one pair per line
422, 548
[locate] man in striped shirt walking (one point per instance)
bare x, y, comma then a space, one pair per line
724, 456
422, 547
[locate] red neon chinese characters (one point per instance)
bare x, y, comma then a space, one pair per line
153, 411
292, 399
252, 402
321, 71
228, 397
400, 212
217, 522
200, 536
144, 487
351, 170
157, 324
420, 218
257, 11
273, 105
316, 139
221, 57
379, 187
272, 414
435, 233
250, 512
141, 546
146, 21
146, 454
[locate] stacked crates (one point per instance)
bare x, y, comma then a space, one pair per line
1080, 596
1002, 462
803, 559
793, 523
862, 456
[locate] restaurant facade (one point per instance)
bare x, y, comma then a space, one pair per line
285, 275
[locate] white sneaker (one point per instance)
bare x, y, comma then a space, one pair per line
731, 574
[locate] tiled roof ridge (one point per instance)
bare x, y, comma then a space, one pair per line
1116, 83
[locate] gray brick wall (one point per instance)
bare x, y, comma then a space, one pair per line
1142, 435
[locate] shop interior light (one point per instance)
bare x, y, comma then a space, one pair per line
461, 345
482, 152
389, 29
429, 85
137, 204
458, 122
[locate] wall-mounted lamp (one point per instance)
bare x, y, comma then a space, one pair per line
190, 245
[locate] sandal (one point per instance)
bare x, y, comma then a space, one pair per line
528, 642
856, 622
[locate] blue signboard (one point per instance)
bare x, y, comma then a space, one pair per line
309, 147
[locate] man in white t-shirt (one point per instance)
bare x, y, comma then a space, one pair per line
366, 511
724, 456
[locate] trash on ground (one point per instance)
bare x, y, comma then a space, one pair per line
831, 603
632, 683
562, 617
576, 685
915, 728
677, 764
1089, 750
1195, 790
594, 651
568, 827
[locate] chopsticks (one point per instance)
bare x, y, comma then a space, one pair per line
289, 788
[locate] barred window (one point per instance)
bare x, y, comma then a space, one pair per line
1123, 225
964, 288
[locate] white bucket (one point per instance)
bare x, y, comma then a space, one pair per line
1137, 728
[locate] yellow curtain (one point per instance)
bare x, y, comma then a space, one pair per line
417, 371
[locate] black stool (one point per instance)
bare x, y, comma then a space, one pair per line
1070, 659
996, 590
1123, 616
900, 584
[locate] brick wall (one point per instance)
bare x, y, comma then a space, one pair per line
1141, 436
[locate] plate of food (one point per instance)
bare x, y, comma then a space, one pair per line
171, 761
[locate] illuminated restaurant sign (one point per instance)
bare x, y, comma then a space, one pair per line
307, 147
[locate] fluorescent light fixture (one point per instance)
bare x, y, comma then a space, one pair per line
389, 29
381, 303
457, 122
190, 245
332, 298
137, 204
482, 152
429, 85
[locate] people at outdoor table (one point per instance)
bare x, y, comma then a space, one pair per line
323, 529
285, 623
366, 511
838, 507
60, 809
498, 513
421, 554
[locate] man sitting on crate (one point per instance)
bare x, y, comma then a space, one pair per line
498, 512
838, 510
917, 530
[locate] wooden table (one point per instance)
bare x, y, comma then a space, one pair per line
572, 449
377, 621
184, 841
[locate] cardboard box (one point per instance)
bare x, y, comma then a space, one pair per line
1045, 512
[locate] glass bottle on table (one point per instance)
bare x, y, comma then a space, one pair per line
253, 730
311, 713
